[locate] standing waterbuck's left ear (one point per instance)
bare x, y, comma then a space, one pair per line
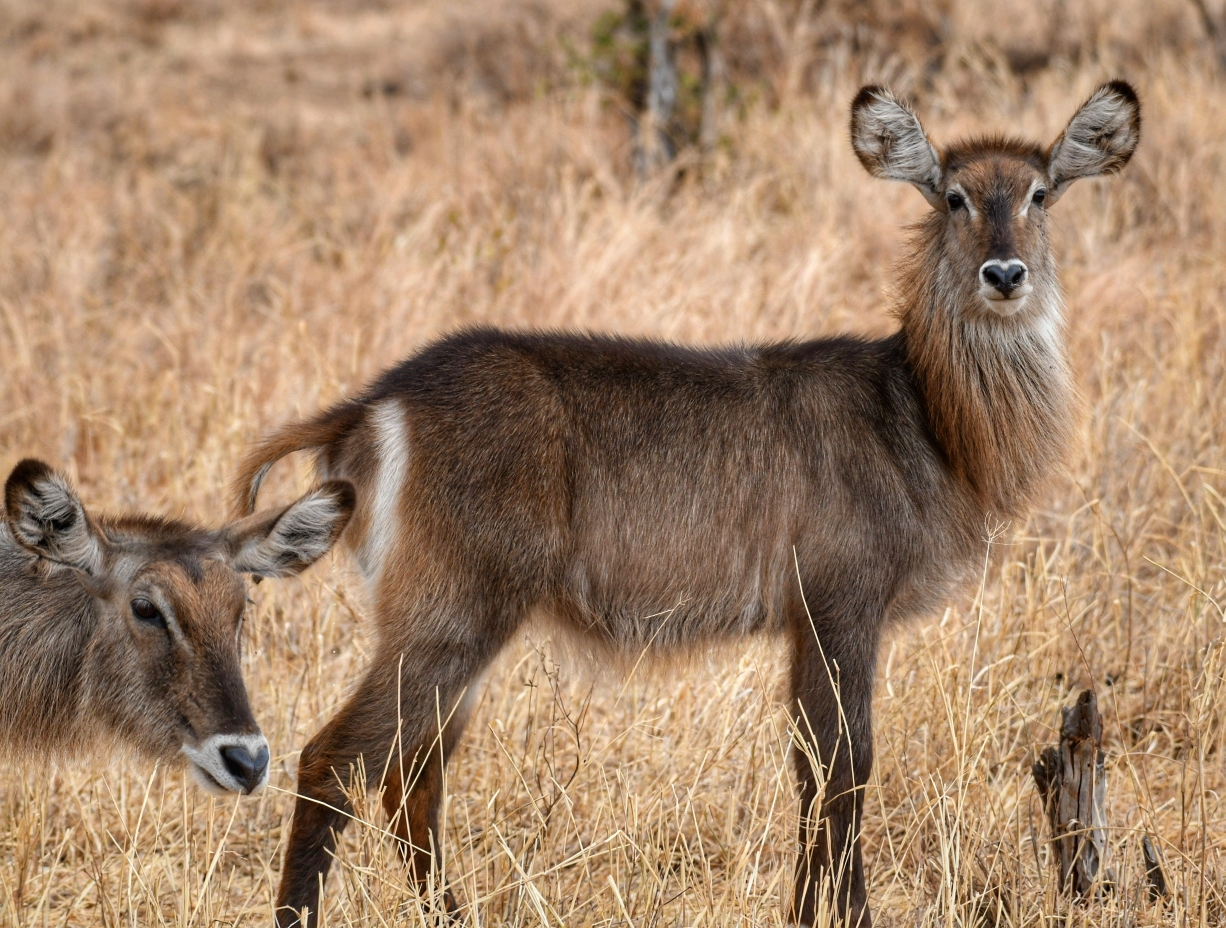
1100, 138
47, 519
890, 142
286, 542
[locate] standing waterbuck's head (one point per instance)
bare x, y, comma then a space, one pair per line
991, 195
161, 667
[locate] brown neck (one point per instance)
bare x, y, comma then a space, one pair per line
47, 626
998, 391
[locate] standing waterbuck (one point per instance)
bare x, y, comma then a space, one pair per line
127, 631
649, 496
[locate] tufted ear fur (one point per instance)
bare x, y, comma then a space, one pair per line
46, 517
280, 544
890, 142
1100, 138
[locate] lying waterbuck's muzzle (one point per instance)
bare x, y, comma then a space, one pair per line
230, 763
134, 625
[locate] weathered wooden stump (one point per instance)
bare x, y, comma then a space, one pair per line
1073, 783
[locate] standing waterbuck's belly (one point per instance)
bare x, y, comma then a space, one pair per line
653, 496
695, 484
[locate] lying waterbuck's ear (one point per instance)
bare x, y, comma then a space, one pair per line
1100, 138
280, 544
891, 143
46, 517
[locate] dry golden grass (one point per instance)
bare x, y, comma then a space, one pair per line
215, 217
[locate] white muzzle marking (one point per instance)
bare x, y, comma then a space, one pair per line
210, 770
1001, 303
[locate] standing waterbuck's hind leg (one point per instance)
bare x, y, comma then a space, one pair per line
832, 688
417, 682
413, 789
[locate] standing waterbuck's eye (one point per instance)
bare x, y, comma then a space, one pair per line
1039, 196
955, 201
148, 613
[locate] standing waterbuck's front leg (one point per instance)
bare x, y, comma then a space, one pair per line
401, 724
832, 688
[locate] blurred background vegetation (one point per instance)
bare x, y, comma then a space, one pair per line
727, 55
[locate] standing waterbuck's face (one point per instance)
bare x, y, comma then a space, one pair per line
991, 195
163, 668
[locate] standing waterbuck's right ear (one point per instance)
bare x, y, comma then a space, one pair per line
47, 519
1099, 139
890, 142
287, 542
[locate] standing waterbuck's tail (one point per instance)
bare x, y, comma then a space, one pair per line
313, 434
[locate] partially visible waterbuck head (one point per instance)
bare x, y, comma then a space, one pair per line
991, 194
129, 629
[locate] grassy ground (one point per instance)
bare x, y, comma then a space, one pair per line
214, 217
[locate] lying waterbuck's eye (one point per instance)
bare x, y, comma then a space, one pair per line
1039, 196
148, 613
955, 201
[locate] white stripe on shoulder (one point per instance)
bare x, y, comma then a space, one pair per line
392, 445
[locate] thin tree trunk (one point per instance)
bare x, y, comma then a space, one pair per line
712, 79
656, 148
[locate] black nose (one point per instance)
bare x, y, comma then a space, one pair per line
247, 769
1005, 278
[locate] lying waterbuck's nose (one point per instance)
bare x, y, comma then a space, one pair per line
249, 769
230, 763
1003, 276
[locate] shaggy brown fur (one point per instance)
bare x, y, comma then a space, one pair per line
652, 496
126, 630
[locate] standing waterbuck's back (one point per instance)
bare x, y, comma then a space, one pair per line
127, 630
651, 496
